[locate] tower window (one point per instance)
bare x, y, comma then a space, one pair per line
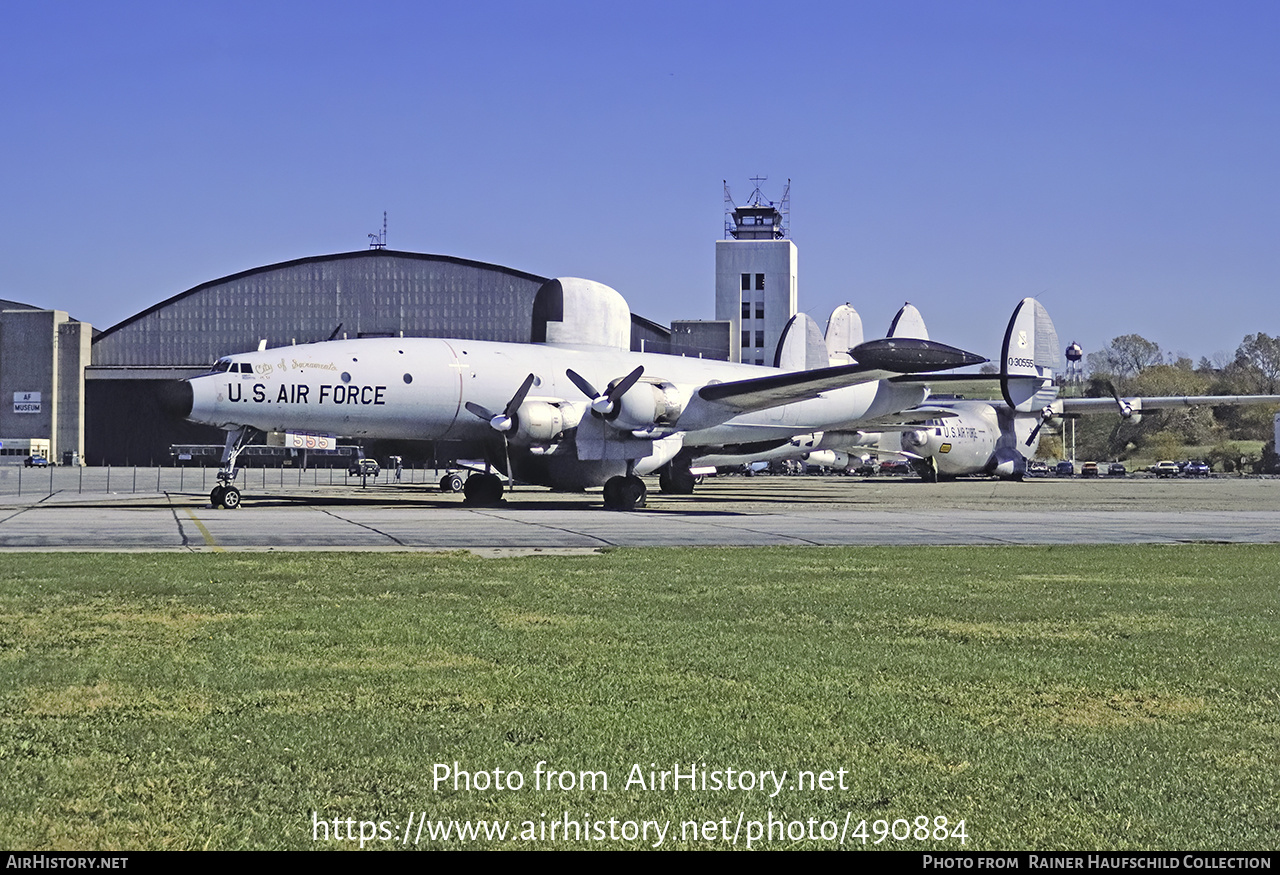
746, 282
759, 338
759, 282
746, 338
746, 309
759, 309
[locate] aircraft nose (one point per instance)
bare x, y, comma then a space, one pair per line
176, 398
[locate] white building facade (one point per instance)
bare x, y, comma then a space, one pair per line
756, 283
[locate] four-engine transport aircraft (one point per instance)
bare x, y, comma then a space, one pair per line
958, 438
575, 408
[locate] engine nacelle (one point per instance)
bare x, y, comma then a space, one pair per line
540, 422
828, 459
649, 405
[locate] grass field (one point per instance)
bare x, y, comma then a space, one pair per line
1082, 697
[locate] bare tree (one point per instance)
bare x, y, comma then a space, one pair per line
1125, 357
1261, 355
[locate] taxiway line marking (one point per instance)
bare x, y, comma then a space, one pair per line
208, 538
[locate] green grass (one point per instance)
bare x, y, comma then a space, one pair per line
1086, 697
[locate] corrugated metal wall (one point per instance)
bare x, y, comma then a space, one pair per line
368, 293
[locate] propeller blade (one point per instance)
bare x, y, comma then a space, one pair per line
482, 412
1046, 414
582, 384
1031, 438
620, 388
1126, 409
506, 419
605, 404
517, 399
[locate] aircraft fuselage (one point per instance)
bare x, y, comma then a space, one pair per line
418, 389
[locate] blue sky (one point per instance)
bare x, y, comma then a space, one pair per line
1118, 159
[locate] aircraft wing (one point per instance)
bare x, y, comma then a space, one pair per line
907, 420
1160, 402
876, 360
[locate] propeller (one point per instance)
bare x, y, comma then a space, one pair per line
1126, 409
606, 403
505, 420
1046, 414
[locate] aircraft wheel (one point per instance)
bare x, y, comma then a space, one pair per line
451, 483
483, 490
676, 482
624, 493
231, 498
215, 497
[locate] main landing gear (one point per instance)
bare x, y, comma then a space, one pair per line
624, 493
483, 490
676, 481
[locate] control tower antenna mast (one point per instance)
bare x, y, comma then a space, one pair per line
379, 241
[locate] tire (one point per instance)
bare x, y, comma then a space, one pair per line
624, 493
674, 481
451, 483
215, 497
483, 490
231, 498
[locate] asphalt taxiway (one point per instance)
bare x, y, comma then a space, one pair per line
725, 511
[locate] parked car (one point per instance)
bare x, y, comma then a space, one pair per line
1065, 468
363, 468
895, 466
1037, 468
1116, 469
36, 462
1167, 468
1090, 469
1198, 468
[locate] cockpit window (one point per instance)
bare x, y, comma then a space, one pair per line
221, 366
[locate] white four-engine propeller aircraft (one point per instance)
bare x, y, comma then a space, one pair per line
958, 438
573, 409
943, 438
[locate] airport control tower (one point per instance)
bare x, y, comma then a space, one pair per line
756, 274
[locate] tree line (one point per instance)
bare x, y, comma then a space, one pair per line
1132, 365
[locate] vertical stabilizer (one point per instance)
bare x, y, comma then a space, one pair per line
1029, 358
844, 332
801, 347
908, 323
